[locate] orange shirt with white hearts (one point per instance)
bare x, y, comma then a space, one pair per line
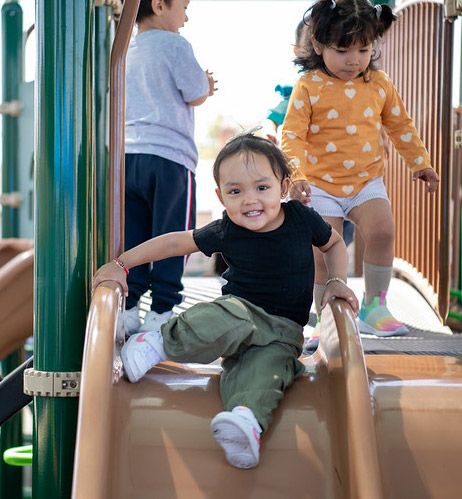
332, 131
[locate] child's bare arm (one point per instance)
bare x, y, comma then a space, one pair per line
212, 90
158, 248
336, 258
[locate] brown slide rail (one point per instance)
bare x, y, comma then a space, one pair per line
418, 57
134, 440
16, 293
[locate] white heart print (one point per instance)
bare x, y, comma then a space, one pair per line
348, 164
312, 159
368, 112
382, 93
363, 174
351, 129
327, 178
406, 137
350, 92
316, 78
347, 189
291, 135
314, 99
314, 128
332, 114
396, 110
298, 103
331, 147
418, 160
367, 147
295, 162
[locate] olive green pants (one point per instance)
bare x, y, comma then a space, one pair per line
260, 351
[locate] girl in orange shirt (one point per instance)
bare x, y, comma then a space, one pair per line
333, 135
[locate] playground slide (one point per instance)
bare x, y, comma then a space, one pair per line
16, 293
388, 429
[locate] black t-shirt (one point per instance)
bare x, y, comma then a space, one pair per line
273, 270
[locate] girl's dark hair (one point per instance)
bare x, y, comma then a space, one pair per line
343, 23
248, 144
145, 9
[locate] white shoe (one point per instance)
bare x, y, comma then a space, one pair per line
141, 352
132, 321
153, 321
238, 437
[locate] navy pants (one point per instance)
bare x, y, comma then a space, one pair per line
160, 197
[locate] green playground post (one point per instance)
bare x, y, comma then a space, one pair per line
12, 75
63, 180
103, 25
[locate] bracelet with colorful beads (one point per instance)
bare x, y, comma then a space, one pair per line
121, 265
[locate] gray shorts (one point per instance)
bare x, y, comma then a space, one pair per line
328, 205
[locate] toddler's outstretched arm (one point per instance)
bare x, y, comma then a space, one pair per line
336, 258
158, 248
430, 176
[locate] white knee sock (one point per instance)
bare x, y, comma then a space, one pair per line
376, 280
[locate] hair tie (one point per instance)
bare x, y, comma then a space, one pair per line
248, 131
333, 5
378, 10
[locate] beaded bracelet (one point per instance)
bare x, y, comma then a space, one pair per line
332, 279
121, 265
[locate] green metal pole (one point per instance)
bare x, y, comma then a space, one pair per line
63, 151
102, 60
12, 62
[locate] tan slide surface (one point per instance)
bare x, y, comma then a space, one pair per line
391, 429
16, 293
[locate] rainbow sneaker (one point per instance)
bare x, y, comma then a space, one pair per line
377, 319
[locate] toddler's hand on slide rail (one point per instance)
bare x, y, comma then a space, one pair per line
336, 289
111, 272
430, 176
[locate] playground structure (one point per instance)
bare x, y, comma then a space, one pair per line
354, 426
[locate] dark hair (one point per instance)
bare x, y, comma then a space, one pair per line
248, 144
343, 23
145, 9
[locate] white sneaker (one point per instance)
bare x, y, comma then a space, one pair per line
132, 321
153, 321
141, 352
238, 437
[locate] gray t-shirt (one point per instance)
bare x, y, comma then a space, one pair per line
162, 76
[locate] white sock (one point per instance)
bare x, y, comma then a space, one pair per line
376, 280
247, 413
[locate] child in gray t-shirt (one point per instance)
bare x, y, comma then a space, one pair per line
164, 82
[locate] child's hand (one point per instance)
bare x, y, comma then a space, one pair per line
111, 272
336, 289
300, 190
430, 176
212, 82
